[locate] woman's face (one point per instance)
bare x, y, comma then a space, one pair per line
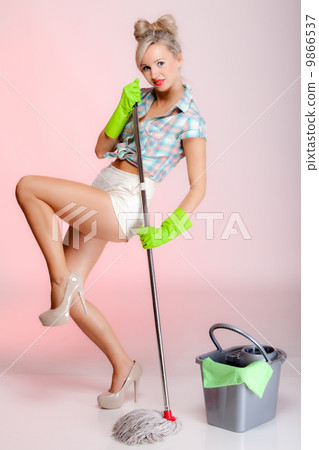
160, 67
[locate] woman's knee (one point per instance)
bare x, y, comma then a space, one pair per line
24, 187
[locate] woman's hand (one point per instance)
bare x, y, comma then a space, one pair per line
172, 227
131, 94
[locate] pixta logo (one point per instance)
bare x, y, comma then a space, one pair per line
75, 225
234, 225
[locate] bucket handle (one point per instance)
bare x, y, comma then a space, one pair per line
237, 330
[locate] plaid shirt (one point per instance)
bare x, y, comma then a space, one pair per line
161, 137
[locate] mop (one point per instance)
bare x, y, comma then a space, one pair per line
143, 426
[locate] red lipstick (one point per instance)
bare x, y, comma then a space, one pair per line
158, 82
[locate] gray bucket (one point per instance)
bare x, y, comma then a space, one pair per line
237, 408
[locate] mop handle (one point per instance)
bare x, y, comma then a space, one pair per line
151, 265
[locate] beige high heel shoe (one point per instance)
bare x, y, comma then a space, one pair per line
110, 400
61, 314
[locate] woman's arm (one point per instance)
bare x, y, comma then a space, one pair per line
108, 137
195, 152
178, 222
104, 144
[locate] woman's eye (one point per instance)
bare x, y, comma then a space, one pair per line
161, 63
145, 68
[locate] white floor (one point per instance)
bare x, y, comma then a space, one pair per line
54, 408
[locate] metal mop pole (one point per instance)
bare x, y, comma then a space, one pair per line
167, 412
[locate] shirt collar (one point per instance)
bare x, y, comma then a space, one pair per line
182, 104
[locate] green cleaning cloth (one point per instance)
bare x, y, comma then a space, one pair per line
256, 375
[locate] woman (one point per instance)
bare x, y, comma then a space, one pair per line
171, 128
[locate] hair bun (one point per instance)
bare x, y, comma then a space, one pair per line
140, 28
165, 22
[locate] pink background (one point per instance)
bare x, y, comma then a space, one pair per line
63, 67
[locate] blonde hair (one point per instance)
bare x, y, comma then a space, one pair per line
163, 31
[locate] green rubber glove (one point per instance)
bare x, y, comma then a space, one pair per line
172, 227
131, 94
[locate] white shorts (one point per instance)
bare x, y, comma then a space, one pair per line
124, 190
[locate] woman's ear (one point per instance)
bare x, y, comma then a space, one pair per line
179, 57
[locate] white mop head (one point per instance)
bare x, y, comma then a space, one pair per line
144, 426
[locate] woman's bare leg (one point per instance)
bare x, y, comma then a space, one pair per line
94, 325
40, 198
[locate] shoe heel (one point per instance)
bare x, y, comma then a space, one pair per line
110, 400
82, 297
136, 383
